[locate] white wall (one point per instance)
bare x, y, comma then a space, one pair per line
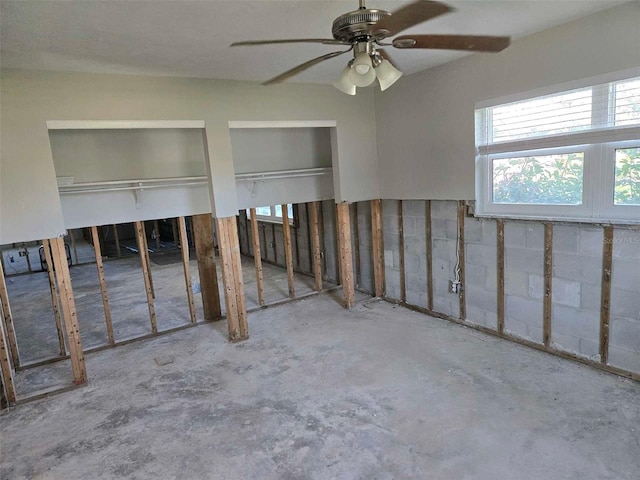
29, 200
426, 121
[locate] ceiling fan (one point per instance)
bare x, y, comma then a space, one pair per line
364, 31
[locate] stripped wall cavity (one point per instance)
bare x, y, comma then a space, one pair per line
575, 278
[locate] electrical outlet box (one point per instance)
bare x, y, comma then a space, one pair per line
454, 286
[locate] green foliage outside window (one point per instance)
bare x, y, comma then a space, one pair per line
627, 188
541, 180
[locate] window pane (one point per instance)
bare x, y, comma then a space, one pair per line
279, 211
290, 210
550, 115
627, 187
539, 180
263, 211
628, 103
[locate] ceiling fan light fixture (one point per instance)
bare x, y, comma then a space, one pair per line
362, 73
387, 74
344, 84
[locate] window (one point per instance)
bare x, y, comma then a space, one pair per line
567, 154
272, 213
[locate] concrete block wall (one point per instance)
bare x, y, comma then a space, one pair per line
576, 289
391, 239
444, 239
524, 267
272, 241
624, 339
361, 220
415, 251
481, 277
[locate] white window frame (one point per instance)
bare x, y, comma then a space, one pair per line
598, 145
273, 218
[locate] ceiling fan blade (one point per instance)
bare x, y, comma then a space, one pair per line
473, 43
302, 67
325, 41
408, 16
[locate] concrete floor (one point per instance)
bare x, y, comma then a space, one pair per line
35, 323
318, 392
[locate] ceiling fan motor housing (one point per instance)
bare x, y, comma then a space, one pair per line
357, 24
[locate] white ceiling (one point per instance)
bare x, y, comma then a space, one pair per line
191, 38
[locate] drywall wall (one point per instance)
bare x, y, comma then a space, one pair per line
426, 121
107, 155
30, 205
274, 149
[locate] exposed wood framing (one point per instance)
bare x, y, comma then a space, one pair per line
500, 273
236, 309
255, 235
69, 310
315, 242
337, 250
288, 253
117, 240
7, 319
605, 298
103, 285
309, 244
343, 225
377, 247
356, 245
548, 275
403, 280
205, 254
185, 267
273, 243
174, 231
323, 240
462, 295
72, 236
5, 365
156, 230
144, 261
298, 233
429, 248
146, 254
46, 246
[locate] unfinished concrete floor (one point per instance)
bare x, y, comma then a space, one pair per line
35, 323
318, 392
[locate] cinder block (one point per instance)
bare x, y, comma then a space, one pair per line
444, 228
623, 358
413, 263
415, 208
417, 246
388, 258
577, 267
475, 275
447, 306
390, 207
489, 232
480, 298
409, 226
626, 275
480, 254
565, 292
524, 309
473, 230
514, 234
572, 321
441, 288
444, 209
536, 287
534, 236
524, 260
415, 298
625, 333
625, 303
565, 342
516, 283
444, 249
481, 317
491, 278
626, 244
591, 297
565, 239
591, 241
442, 268
390, 224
